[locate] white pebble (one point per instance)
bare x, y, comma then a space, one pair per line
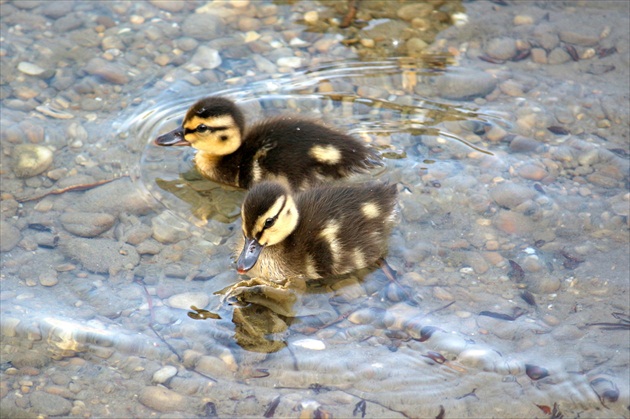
523, 20
164, 374
292, 62
297, 42
313, 344
187, 299
30, 68
311, 17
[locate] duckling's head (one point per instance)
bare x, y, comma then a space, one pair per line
269, 215
213, 125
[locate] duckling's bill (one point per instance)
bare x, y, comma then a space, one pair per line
249, 255
173, 138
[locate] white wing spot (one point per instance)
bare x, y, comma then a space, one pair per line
370, 210
329, 233
256, 172
359, 259
327, 154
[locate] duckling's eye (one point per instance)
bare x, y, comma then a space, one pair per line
202, 128
269, 222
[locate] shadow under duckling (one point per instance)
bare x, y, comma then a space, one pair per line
297, 151
317, 233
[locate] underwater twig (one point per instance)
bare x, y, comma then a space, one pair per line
623, 324
152, 320
439, 308
79, 187
352, 12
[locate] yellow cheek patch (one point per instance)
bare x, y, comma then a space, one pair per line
370, 210
327, 154
270, 213
211, 141
285, 223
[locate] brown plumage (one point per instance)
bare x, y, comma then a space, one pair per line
296, 151
321, 232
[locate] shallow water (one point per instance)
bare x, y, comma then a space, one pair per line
511, 250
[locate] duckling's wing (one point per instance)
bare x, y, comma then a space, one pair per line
306, 152
343, 228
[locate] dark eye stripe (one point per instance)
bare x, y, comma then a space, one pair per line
202, 128
275, 217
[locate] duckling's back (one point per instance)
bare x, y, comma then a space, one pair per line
342, 229
302, 153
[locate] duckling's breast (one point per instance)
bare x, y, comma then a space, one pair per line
221, 169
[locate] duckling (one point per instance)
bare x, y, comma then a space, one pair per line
297, 151
320, 232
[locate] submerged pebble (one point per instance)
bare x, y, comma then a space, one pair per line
186, 300
30, 69
558, 56
31, 160
164, 374
49, 404
510, 195
164, 400
30, 358
463, 84
111, 72
101, 255
203, 26
204, 58
87, 224
9, 236
501, 48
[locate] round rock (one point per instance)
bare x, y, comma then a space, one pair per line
512, 222
113, 198
510, 195
203, 26
464, 84
558, 56
412, 11
87, 224
542, 283
110, 72
164, 400
9, 236
101, 255
187, 299
30, 358
204, 58
57, 9
166, 229
31, 160
48, 279
501, 48
532, 171
164, 374
30, 68
172, 6
50, 404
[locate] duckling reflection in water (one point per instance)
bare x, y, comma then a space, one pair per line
320, 232
297, 151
